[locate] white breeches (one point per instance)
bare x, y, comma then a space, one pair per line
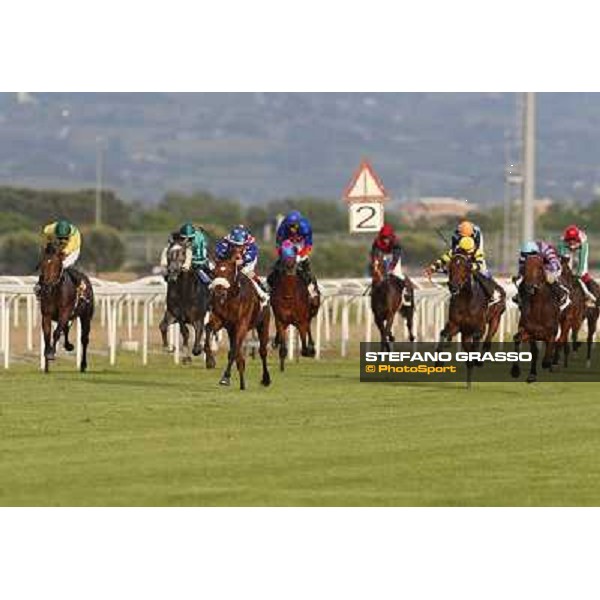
70, 260
248, 269
397, 272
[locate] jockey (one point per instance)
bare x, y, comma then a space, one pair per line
238, 237
298, 230
552, 268
69, 239
468, 246
467, 229
574, 245
199, 261
387, 245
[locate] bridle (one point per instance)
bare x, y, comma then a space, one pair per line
456, 288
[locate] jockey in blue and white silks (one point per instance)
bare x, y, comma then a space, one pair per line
240, 237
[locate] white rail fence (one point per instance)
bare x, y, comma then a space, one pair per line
127, 312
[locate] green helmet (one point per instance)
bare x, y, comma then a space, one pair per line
63, 229
187, 230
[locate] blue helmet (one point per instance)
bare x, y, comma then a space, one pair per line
238, 236
294, 217
530, 248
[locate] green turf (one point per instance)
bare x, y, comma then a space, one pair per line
168, 435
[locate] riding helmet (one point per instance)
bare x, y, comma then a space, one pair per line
529, 248
467, 244
187, 230
238, 236
466, 229
63, 229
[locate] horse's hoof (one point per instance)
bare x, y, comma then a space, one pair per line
197, 352
83, 368
515, 372
168, 349
69, 347
225, 381
50, 356
211, 363
266, 381
412, 339
532, 379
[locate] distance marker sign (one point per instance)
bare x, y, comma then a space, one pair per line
365, 196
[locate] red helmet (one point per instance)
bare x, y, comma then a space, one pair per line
572, 234
387, 231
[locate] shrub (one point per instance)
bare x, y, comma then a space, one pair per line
20, 253
102, 249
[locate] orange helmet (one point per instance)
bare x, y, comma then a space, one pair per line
466, 229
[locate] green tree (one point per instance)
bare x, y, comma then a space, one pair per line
102, 249
20, 253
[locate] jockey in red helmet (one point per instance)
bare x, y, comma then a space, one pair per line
387, 246
574, 245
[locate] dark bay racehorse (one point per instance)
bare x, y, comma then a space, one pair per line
292, 305
540, 317
468, 312
60, 303
187, 299
387, 299
236, 307
575, 313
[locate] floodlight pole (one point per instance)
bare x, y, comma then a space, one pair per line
529, 151
99, 166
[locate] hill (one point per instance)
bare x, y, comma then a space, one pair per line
258, 147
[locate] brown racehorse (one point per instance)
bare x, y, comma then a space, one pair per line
575, 313
468, 308
387, 299
292, 306
540, 317
59, 303
236, 307
187, 299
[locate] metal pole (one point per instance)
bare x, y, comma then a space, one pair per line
529, 167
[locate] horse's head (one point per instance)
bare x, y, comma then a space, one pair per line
179, 258
226, 280
533, 274
377, 269
51, 266
460, 271
289, 257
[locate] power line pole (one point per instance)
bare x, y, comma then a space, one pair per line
529, 151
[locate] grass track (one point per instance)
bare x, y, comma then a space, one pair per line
169, 435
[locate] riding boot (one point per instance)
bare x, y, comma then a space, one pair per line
406, 288
491, 289
561, 295
309, 279
79, 283
594, 289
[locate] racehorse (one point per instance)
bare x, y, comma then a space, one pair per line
468, 312
575, 313
540, 317
292, 305
59, 302
583, 311
236, 307
387, 299
187, 299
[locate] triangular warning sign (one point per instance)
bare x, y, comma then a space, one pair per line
365, 185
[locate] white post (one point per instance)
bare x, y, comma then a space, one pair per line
16, 304
327, 306
6, 343
42, 360
318, 335
145, 334
368, 319
129, 319
113, 332
345, 327
30, 309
